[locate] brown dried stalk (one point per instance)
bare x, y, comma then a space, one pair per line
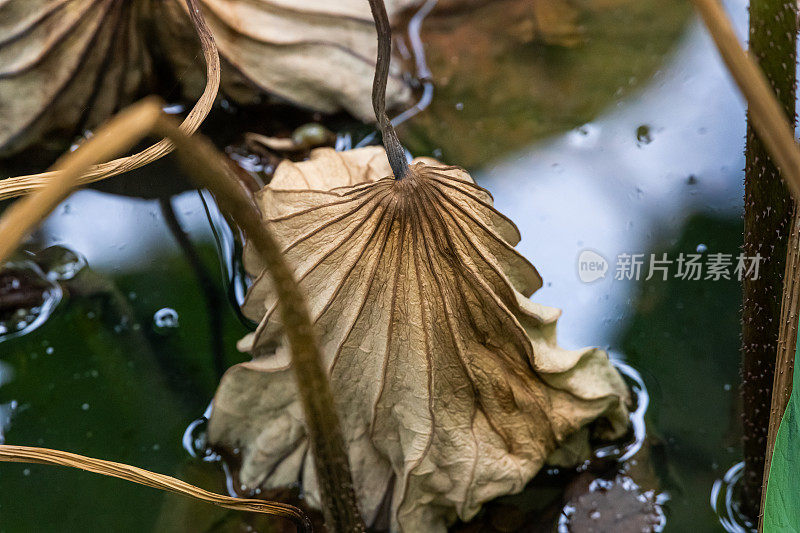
44, 456
339, 504
211, 170
19, 185
394, 150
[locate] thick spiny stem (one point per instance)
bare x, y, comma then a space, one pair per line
394, 150
772, 171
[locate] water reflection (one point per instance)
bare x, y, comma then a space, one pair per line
116, 233
621, 183
597, 187
628, 182
724, 501
642, 401
600, 187
7, 408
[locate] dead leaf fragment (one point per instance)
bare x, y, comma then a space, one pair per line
449, 382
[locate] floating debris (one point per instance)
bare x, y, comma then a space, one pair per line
613, 505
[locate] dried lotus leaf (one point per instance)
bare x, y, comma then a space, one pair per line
450, 385
66, 65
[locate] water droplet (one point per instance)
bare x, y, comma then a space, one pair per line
227, 105
165, 319
312, 134
29, 297
701, 248
174, 109
85, 407
60, 263
643, 135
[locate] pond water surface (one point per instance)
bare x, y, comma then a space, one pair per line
128, 358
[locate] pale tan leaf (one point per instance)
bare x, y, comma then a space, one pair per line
449, 382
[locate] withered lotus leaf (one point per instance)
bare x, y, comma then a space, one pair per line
67, 65
317, 54
449, 382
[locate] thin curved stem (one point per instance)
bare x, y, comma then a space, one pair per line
45, 456
394, 150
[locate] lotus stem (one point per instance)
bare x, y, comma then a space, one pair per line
771, 153
394, 149
787, 340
